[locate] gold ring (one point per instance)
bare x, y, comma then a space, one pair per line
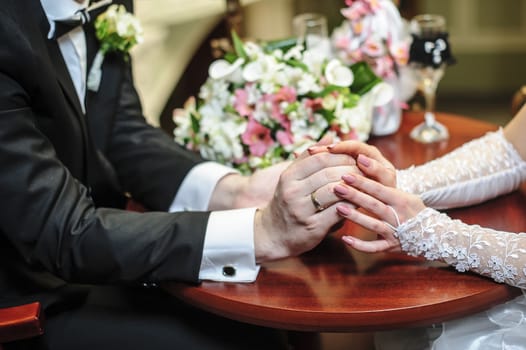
315, 202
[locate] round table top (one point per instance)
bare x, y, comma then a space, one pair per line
334, 288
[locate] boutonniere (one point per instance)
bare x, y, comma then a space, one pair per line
118, 31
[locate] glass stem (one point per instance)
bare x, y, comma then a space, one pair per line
429, 115
429, 90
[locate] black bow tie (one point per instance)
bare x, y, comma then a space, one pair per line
63, 26
80, 18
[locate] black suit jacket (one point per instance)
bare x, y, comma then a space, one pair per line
63, 174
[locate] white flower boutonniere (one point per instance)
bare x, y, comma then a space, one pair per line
118, 31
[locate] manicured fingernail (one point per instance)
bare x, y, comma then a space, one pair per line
331, 146
340, 190
296, 154
348, 239
363, 160
349, 178
343, 210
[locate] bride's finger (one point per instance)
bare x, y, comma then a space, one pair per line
376, 170
320, 146
367, 246
369, 203
382, 193
366, 221
355, 148
388, 242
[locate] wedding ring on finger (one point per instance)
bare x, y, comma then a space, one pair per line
316, 202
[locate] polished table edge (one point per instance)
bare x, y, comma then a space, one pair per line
320, 321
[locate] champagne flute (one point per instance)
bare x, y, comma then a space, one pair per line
311, 31
429, 56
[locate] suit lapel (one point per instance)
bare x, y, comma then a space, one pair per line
60, 66
57, 60
63, 76
52, 57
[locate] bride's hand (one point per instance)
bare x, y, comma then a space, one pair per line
387, 208
369, 159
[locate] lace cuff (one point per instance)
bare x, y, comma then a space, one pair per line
496, 254
478, 170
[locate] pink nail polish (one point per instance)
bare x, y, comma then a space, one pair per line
340, 190
365, 161
343, 210
349, 178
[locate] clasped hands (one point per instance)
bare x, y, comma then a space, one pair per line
324, 186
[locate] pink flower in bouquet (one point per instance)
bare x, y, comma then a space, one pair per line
241, 102
374, 32
257, 138
359, 8
286, 94
314, 104
285, 137
384, 66
400, 52
271, 104
373, 47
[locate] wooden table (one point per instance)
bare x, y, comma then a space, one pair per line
333, 288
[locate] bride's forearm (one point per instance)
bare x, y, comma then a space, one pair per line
495, 254
479, 170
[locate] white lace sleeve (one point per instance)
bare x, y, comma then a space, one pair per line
478, 170
496, 254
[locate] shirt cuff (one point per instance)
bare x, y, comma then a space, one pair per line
197, 187
228, 254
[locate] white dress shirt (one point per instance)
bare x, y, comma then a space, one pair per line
228, 253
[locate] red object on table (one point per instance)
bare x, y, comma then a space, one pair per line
20, 322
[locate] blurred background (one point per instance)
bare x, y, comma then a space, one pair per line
487, 37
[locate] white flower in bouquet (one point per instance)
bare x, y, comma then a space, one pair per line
261, 105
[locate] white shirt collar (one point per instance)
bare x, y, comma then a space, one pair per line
59, 9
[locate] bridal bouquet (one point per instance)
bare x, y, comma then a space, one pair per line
373, 31
261, 105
